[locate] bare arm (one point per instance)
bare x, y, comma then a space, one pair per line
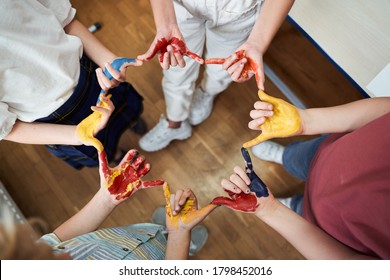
165, 43
89, 218
164, 14
241, 69
311, 241
112, 192
59, 134
178, 244
308, 239
182, 215
343, 118
272, 15
92, 46
276, 117
43, 133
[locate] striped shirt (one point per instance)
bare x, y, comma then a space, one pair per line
134, 242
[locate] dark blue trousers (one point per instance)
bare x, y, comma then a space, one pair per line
128, 108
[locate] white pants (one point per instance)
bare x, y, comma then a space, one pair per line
211, 29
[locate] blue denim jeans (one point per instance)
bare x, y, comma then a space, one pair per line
297, 158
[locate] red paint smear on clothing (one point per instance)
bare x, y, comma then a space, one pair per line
178, 47
241, 201
250, 65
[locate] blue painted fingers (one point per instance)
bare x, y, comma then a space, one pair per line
116, 64
257, 185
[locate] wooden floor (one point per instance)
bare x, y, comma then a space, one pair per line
44, 186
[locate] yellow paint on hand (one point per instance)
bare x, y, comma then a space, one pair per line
186, 214
86, 128
284, 122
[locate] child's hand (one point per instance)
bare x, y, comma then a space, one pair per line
114, 73
243, 64
171, 49
182, 209
241, 198
283, 121
262, 111
124, 180
91, 125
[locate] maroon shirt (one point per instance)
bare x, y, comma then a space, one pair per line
347, 192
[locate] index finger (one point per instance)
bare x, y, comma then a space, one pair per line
167, 196
229, 61
110, 72
244, 176
247, 158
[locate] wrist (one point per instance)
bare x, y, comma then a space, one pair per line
167, 29
267, 208
179, 234
105, 199
255, 45
76, 139
303, 114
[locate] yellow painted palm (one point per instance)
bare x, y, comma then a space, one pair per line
284, 122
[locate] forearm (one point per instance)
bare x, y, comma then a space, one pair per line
272, 15
343, 118
178, 245
43, 134
308, 239
88, 219
163, 13
93, 48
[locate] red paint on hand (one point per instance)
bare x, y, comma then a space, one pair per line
104, 163
215, 61
238, 201
250, 65
125, 179
178, 47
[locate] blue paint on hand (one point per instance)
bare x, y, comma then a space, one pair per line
257, 185
116, 64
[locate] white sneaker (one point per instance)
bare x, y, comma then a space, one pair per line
199, 235
269, 151
201, 107
161, 135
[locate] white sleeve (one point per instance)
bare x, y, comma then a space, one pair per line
50, 239
7, 120
63, 10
